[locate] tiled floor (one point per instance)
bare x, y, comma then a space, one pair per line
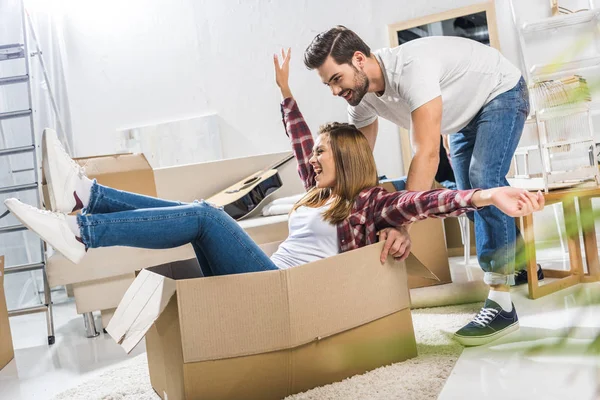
40, 371
534, 362
503, 370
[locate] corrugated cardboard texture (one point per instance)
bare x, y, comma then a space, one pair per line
275, 375
234, 315
6, 345
165, 358
110, 261
130, 172
429, 248
101, 294
349, 291
246, 314
143, 302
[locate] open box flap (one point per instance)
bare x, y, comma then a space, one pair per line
142, 304
114, 163
415, 267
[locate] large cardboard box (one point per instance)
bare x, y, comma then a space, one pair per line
269, 334
454, 242
131, 172
101, 294
428, 249
7, 352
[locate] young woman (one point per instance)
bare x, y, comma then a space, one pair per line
342, 210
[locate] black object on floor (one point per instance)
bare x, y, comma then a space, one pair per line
521, 276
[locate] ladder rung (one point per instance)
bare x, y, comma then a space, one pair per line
14, 171
14, 79
15, 114
28, 310
17, 150
10, 46
12, 228
12, 51
23, 268
18, 188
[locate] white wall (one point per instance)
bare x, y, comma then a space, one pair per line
141, 62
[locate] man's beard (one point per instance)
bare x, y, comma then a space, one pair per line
361, 87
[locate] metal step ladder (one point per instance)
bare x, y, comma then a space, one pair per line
19, 51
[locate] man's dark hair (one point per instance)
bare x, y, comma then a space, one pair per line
339, 42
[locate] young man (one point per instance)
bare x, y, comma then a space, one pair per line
449, 86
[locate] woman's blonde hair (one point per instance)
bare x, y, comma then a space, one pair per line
355, 171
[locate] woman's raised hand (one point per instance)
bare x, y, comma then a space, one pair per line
282, 72
511, 201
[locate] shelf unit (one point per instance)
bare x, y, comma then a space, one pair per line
564, 133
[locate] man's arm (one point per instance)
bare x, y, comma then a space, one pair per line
370, 132
426, 130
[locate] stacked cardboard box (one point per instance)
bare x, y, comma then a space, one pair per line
6, 346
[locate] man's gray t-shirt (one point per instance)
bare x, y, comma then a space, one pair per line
466, 73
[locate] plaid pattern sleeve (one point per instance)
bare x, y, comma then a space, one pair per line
399, 208
301, 138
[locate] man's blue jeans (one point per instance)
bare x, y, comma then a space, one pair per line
481, 155
118, 218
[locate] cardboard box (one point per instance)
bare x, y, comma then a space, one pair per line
7, 352
131, 172
454, 242
101, 294
269, 334
428, 248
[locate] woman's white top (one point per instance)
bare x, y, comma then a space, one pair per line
310, 239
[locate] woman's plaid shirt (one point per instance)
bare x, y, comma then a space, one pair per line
374, 208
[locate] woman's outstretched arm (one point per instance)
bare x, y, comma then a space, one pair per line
293, 121
400, 208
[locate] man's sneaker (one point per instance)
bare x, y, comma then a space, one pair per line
521, 276
50, 226
491, 323
62, 174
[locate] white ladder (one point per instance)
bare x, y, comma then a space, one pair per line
20, 51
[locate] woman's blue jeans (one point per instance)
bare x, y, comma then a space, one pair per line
117, 218
481, 155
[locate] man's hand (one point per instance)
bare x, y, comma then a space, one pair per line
397, 243
282, 72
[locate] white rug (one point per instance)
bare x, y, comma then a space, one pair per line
419, 378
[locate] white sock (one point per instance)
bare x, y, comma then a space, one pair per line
83, 188
73, 225
502, 298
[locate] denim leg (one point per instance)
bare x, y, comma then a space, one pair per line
224, 246
461, 150
399, 183
492, 138
105, 200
